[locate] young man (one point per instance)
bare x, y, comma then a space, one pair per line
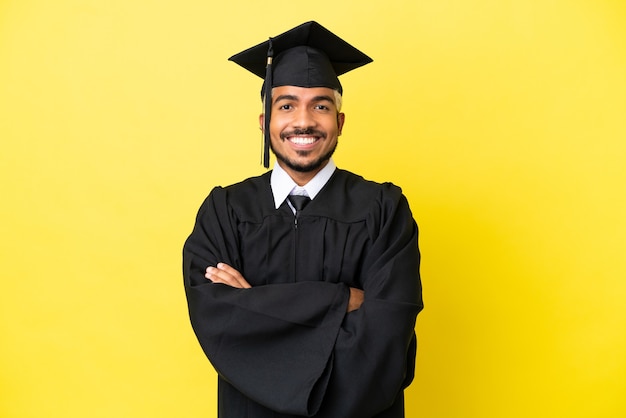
303, 283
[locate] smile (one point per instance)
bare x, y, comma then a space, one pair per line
302, 140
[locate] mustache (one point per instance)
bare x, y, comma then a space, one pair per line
307, 132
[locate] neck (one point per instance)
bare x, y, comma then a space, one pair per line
301, 177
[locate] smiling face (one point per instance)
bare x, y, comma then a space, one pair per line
304, 127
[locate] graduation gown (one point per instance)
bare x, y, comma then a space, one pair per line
286, 347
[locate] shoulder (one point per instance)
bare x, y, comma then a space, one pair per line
361, 190
252, 185
349, 197
243, 198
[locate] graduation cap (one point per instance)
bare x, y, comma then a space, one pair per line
308, 55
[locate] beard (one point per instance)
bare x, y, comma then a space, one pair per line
305, 168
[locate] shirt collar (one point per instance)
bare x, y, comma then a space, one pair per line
283, 185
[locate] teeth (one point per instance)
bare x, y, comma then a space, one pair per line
299, 140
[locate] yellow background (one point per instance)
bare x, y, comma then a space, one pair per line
503, 121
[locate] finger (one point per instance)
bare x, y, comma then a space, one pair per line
221, 276
230, 270
234, 273
216, 276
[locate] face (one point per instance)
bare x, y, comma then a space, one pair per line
304, 128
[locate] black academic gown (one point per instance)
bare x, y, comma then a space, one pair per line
286, 347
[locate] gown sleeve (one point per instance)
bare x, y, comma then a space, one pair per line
273, 343
374, 355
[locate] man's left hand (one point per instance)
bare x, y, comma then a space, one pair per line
225, 274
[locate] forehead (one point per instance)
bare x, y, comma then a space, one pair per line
303, 93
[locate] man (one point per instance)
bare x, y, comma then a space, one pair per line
305, 309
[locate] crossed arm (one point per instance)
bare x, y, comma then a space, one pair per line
225, 274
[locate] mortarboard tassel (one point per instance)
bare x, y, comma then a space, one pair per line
267, 106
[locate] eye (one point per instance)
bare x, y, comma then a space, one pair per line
286, 107
321, 107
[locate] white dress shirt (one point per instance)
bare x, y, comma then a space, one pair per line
283, 185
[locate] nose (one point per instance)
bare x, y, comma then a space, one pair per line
303, 119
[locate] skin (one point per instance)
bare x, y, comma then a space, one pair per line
304, 131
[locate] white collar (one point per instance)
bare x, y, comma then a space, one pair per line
283, 185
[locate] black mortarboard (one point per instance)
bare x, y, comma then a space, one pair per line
308, 55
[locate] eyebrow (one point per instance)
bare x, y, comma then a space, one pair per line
291, 97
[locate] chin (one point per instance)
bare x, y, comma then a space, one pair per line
306, 166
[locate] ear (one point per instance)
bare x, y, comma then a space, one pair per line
341, 119
261, 121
